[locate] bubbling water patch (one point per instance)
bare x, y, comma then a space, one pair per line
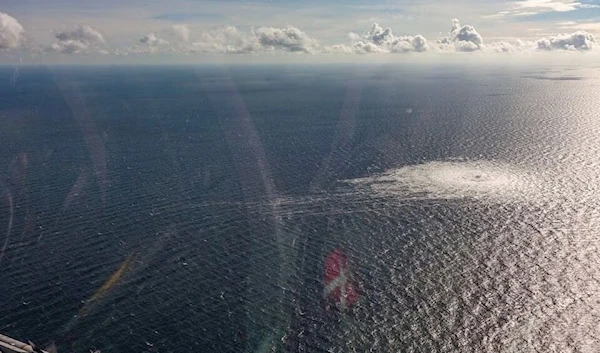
452, 179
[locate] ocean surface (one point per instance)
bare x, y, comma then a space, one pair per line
190, 209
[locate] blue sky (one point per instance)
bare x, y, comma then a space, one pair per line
122, 24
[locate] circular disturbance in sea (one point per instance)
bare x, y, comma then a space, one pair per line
452, 179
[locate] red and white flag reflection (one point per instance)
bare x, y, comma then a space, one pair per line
341, 288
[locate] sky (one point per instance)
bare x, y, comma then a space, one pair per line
151, 31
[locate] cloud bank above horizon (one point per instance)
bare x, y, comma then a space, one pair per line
180, 38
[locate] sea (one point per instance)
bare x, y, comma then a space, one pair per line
191, 208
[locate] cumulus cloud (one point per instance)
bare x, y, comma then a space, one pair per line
226, 40
263, 39
338, 49
289, 39
232, 40
467, 39
508, 47
580, 40
181, 31
152, 40
149, 43
380, 40
171, 39
462, 38
79, 39
11, 32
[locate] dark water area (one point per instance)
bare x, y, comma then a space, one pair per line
161, 209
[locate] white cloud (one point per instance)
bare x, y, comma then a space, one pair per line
79, 39
523, 14
380, 40
553, 5
580, 26
580, 40
148, 43
151, 39
566, 24
230, 40
509, 46
497, 15
467, 39
181, 31
548, 5
178, 39
368, 48
263, 39
11, 32
290, 39
534, 7
462, 38
338, 49
226, 40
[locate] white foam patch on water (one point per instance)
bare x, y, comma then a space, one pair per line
452, 179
